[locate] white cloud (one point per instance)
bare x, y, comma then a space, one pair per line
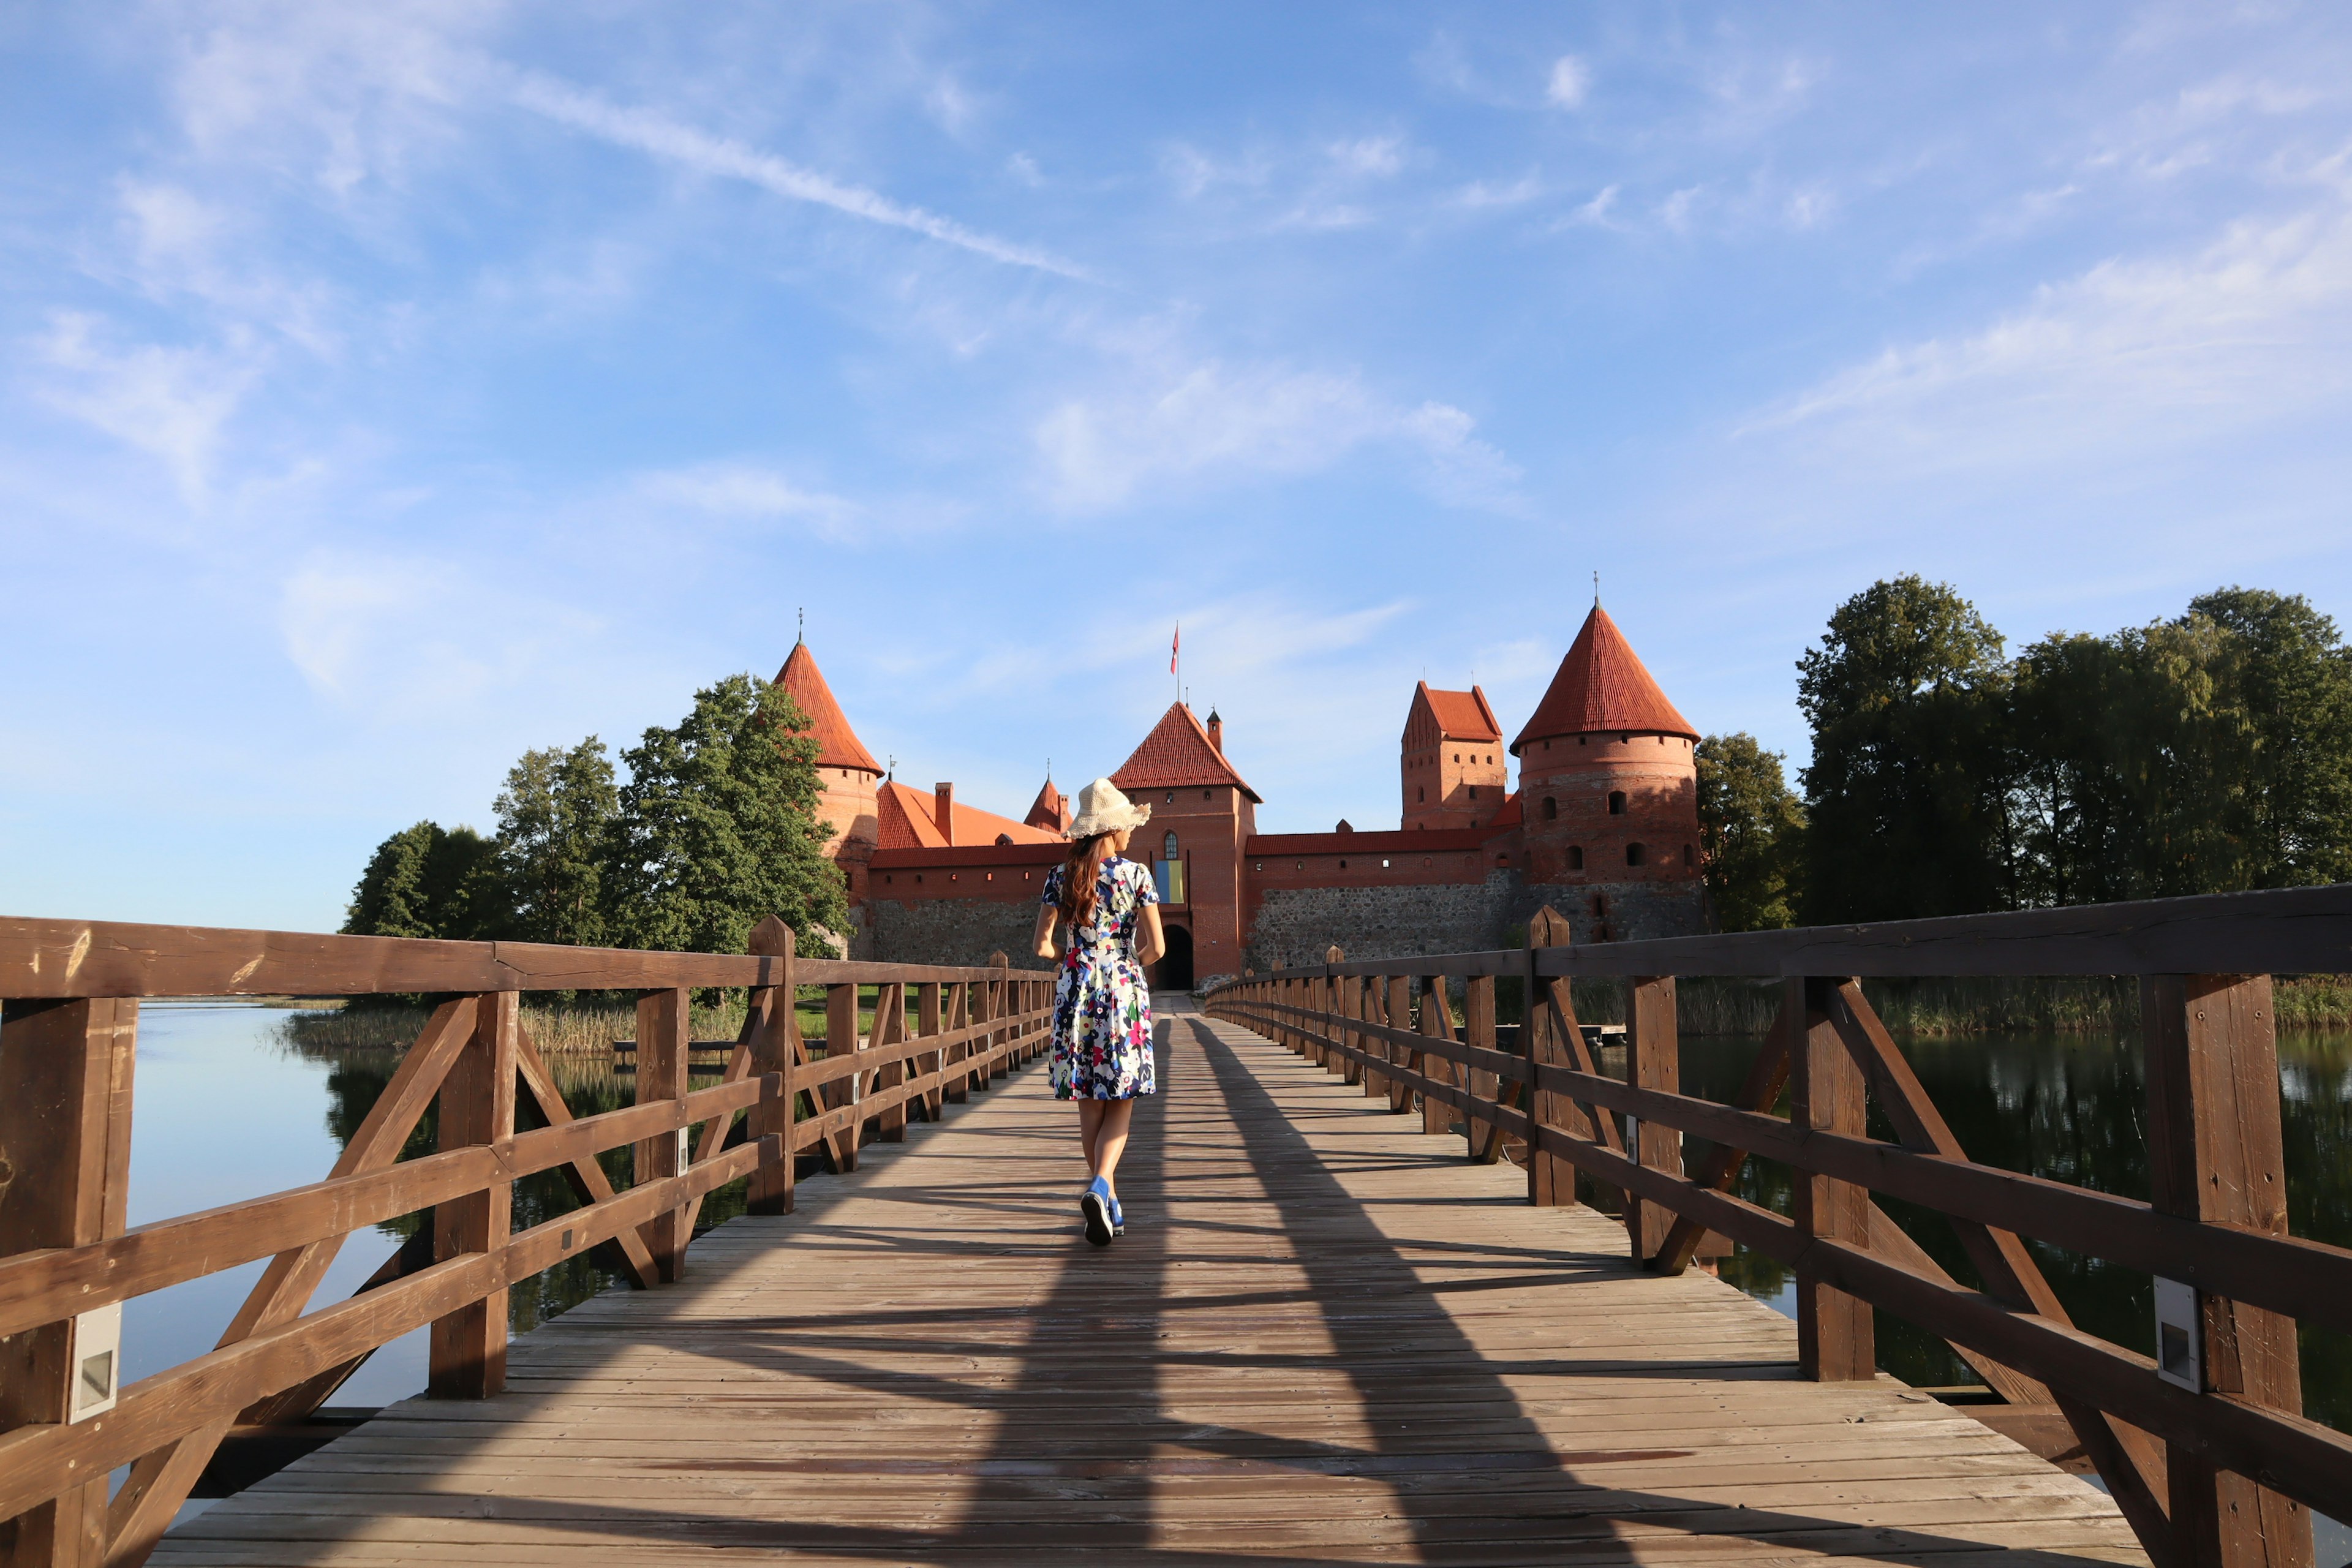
1481, 193
724, 157
2256, 326
1209, 425
1376, 157
748, 491
1599, 212
1570, 81
169, 403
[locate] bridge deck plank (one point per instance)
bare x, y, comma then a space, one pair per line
1329, 1338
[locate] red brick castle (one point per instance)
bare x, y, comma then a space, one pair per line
1603, 826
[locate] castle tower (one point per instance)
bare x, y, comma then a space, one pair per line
1203, 814
1609, 789
846, 769
1451, 766
1051, 810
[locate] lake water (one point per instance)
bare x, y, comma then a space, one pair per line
226, 1109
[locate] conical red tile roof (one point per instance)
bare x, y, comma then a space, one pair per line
1176, 753
837, 744
1050, 810
1602, 685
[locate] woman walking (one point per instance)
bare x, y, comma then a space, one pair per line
1107, 911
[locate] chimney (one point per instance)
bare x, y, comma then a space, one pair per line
1216, 731
943, 810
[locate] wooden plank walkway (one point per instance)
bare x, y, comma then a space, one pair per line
1326, 1339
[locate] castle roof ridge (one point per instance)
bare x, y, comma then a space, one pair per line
1602, 685
837, 746
1176, 755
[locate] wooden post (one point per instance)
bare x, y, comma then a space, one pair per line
960, 1014
774, 1042
1400, 1016
1552, 1180
841, 1043
928, 1017
468, 1347
65, 1165
2214, 1155
983, 1011
1338, 992
1478, 1029
1437, 1022
1654, 1060
889, 1029
1376, 1012
1835, 1341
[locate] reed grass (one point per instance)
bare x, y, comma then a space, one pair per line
583, 1027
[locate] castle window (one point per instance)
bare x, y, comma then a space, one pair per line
1168, 847
1576, 856
1635, 854
1551, 809
1171, 797
919, 876
1298, 865
1616, 803
1343, 865
1259, 867
1474, 792
889, 878
1458, 756
1005, 838
989, 877
1385, 865
1502, 859
1421, 793
1690, 856
955, 876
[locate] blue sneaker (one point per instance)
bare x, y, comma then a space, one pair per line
1096, 1206
1118, 1218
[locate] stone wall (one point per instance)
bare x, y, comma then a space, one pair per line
951, 930
1296, 926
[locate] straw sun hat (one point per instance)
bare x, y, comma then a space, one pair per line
1103, 809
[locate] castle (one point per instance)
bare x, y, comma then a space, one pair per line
1603, 828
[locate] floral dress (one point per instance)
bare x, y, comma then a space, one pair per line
1102, 1010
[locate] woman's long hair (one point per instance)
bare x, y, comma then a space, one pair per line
1079, 870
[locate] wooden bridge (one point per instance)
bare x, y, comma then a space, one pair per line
1346, 1327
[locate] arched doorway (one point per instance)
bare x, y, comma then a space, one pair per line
1174, 970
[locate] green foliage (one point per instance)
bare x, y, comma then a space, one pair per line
2208, 754
557, 818
717, 827
427, 881
1904, 794
1751, 833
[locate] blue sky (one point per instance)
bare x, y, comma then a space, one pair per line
389, 388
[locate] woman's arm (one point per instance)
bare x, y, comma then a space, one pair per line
1150, 941
1043, 940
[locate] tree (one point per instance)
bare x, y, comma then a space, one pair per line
2284, 683
1905, 795
556, 824
717, 827
427, 882
1750, 830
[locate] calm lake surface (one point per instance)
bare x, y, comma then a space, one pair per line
226, 1109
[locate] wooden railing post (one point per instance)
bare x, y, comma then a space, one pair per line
1400, 1016
927, 1015
841, 1043
961, 1013
889, 1028
469, 1346
2215, 1154
1437, 1022
1376, 1012
65, 1166
1654, 1060
775, 1048
1478, 1029
1835, 1334
1552, 1180
1338, 992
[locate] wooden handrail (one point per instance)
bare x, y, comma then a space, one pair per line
66, 1050
2215, 1223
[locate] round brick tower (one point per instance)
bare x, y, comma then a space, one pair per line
1608, 793
846, 770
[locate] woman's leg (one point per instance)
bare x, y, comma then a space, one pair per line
1110, 1139
1090, 1121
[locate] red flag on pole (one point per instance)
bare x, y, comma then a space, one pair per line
1173, 643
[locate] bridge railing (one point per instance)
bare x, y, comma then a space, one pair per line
2206, 1451
68, 1261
